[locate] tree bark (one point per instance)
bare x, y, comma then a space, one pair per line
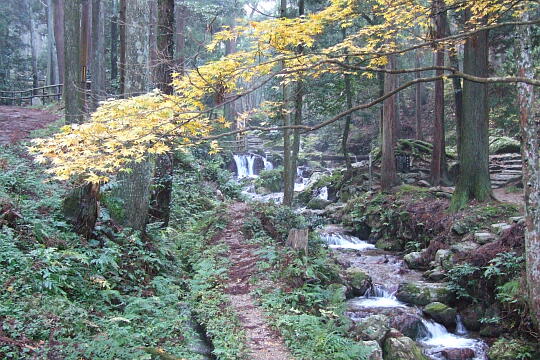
81, 207
114, 43
58, 8
418, 101
530, 128
473, 180
438, 155
85, 48
122, 63
287, 196
388, 165
72, 80
348, 118
180, 38
33, 50
98, 53
52, 63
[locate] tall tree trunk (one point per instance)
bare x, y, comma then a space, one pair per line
418, 100
348, 118
438, 155
152, 40
85, 47
134, 187
98, 53
52, 63
33, 50
122, 63
458, 91
72, 74
287, 196
114, 42
58, 8
530, 128
162, 184
180, 38
473, 181
388, 164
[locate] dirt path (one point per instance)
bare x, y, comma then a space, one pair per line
16, 123
263, 343
516, 198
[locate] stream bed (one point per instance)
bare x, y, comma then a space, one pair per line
387, 272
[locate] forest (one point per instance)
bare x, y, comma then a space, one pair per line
259, 179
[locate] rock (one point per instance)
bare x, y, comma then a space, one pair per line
36, 101
424, 183
484, 237
444, 258
499, 228
464, 247
458, 354
471, 317
373, 327
491, 331
318, 204
375, 350
358, 280
441, 313
436, 274
423, 294
409, 325
460, 228
402, 348
414, 260
503, 145
392, 244
518, 219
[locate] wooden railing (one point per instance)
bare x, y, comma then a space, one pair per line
24, 97
238, 145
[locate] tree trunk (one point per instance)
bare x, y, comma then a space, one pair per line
33, 51
180, 38
530, 128
438, 155
114, 43
418, 100
348, 118
287, 196
85, 47
122, 63
152, 40
52, 63
135, 187
388, 165
72, 91
98, 51
458, 92
473, 181
81, 208
58, 6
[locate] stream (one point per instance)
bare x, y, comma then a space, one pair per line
387, 271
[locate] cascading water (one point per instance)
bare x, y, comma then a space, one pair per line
245, 165
377, 296
323, 193
342, 241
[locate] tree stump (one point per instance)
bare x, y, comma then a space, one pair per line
298, 239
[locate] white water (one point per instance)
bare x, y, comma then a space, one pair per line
378, 297
341, 241
245, 165
460, 328
323, 193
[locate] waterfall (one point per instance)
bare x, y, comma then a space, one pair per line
378, 296
267, 164
323, 193
245, 164
341, 241
460, 328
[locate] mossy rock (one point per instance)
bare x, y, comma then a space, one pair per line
402, 348
358, 280
503, 145
389, 244
512, 349
271, 180
441, 313
373, 327
318, 204
423, 294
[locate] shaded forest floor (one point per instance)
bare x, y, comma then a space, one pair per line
16, 123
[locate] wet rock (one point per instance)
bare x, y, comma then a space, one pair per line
484, 237
471, 316
358, 280
441, 313
414, 260
444, 258
373, 327
409, 325
318, 204
458, 354
375, 350
423, 294
402, 348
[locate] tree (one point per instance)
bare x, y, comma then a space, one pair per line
72, 75
287, 176
52, 60
388, 162
438, 155
473, 179
530, 128
58, 6
97, 63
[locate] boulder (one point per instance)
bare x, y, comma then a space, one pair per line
375, 350
441, 313
503, 145
409, 325
436, 274
444, 258
458, 354
372, 328
500, 227
318, 203
402, 348
464, 247
460, 228
414, 260
358, 280
423, 293
484, 237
